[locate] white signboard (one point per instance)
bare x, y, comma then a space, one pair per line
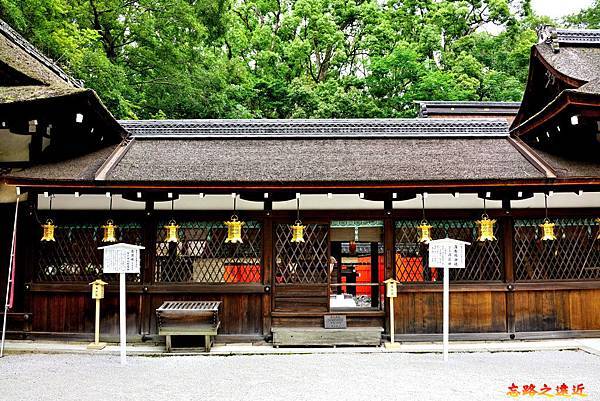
448, 253
121, 258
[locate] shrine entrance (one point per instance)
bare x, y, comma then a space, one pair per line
357, 265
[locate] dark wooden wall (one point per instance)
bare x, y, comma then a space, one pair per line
250, 310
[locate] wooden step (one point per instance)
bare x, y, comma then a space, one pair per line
316, 336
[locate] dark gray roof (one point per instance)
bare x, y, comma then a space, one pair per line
580, 63
440, 108
26, 93
321, 160
586, 37
566, 167
26, 58
343, 128
82, 168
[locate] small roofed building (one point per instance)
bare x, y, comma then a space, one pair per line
560, 114
468, 109
329, 210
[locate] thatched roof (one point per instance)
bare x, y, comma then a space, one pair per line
307, 151
27, 93
569, 167
81, 168
19, 55
321, 160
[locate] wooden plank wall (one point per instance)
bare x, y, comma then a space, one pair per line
300, 298
70, 313
470, 312
557, 310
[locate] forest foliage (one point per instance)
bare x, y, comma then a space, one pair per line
286, 58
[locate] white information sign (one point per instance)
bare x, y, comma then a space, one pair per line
448, 254
122, 259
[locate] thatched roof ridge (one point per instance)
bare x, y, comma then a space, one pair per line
316, 128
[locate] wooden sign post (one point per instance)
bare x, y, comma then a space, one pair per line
391, 292
97, 294
449, 254
122, 259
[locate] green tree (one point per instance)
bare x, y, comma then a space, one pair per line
283, 58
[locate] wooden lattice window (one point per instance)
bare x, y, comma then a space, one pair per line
484, 260
202, 256
301, 262
574, 255
75, 256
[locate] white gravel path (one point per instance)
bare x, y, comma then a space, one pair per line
467, 376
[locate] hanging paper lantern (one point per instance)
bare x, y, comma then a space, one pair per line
109, 232
485, 227
172, 228
424, 232
48, 231
234, 230
547, 230
297, 232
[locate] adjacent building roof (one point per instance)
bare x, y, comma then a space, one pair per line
563, 61
446, 109
22, 56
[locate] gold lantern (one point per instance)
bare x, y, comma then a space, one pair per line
234, 230
547, 230
172, 228
48, 231
424, 232
485, 227
109, 232
297, 232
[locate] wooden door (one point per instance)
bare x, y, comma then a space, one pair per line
300, 270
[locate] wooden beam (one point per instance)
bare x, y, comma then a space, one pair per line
509, 274
267, 276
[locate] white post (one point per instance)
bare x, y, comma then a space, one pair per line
446, 310
122, 316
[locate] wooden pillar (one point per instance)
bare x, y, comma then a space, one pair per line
267, 276
29, 255
509, 276
148, 269
390, 262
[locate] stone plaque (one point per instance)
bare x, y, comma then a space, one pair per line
335, 321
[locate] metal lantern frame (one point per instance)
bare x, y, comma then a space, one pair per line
298, 227
48, 227
109, 227
424, 229
172, 228
547, 226
234, 226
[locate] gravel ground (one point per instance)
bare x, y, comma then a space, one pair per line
390, 376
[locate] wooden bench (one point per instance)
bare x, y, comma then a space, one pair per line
189, 318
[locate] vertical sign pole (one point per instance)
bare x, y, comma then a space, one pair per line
446, 310
392, 330
122, 316
97, 333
